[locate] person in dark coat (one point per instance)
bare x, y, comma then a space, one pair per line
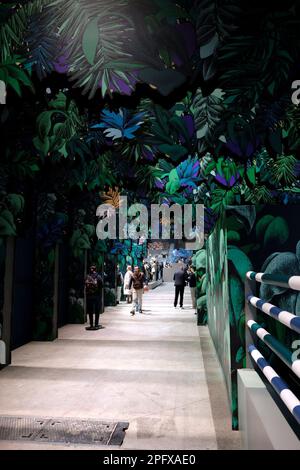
180, 278
192, 283
93, 291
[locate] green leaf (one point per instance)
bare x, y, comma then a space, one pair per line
233, 236
44, 124
242, 329
277, 232
180, 127
262, 225
201, 301
15, 202
201, 259
251, 174
7, 225
240, 354
42, 145
90, 230
237, 299
15, 85
59, 102
240, 261
174, 182
90, 40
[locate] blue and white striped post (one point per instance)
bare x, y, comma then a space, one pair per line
282, 280
286, 318
287, 396
250, 314
276, 346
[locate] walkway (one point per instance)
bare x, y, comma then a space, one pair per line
147, 370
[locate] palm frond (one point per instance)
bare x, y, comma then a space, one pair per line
284, 169
95, 37
14, 31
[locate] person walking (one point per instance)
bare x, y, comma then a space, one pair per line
179, 278
119, 284
93, 292
192, 284
137, 282
127, 290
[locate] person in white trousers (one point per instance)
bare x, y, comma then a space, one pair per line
119, 284
127, 291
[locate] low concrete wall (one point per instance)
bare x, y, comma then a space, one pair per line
261, 423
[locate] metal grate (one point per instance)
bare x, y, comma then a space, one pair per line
62, 430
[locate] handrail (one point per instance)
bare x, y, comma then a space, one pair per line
286, 318
282, 280
279, 349
279, 385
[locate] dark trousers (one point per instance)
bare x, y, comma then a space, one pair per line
179, 290
93, 305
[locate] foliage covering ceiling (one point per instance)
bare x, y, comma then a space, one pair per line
177, 102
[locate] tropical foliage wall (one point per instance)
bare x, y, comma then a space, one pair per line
161, 101
258, 238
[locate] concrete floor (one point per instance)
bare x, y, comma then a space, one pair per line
158, 371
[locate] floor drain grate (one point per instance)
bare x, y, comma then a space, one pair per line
62, 430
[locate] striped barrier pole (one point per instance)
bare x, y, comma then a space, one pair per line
284, 317
287, 396
279, 349
281, 280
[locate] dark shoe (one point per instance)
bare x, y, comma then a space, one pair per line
132, 313
98, 327
89, 327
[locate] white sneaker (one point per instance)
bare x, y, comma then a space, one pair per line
181, 308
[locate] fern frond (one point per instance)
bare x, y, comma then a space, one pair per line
14, 31
283, 170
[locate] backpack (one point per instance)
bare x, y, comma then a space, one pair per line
92, 285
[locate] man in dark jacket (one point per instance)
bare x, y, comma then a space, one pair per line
180, 278
93, 288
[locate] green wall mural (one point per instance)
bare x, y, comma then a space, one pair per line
249, 238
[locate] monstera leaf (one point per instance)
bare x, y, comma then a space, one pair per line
57, 126
288, 264
245, 216
238, 265
272, 230
200, 259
